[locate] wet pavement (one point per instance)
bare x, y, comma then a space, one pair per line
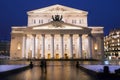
56, 70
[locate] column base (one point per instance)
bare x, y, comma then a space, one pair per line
23, 58
71, 58
62, 58
52, 58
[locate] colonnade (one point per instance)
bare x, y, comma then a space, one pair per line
25, 52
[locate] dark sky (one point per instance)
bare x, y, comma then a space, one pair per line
101, 12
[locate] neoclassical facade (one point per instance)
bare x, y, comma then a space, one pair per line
57, 32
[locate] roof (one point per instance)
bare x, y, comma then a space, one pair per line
57, 8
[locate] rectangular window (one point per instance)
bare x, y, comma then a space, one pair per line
41, 21
80, 21
74, 21
34, 21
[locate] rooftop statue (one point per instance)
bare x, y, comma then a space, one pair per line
57, 17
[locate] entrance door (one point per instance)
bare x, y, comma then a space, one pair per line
57, 56
48, 56
66, 56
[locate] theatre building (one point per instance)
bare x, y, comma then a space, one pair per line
57, 32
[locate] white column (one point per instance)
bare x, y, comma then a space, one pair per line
43, 46
23, 46
62, 47
90, 46
71, 46
80, 46
36, 48
26, 47
52, 45
33, 46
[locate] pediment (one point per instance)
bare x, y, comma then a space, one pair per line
57, 8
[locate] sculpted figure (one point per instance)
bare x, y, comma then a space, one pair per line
57, 18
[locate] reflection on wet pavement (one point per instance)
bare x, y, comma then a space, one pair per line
55, 71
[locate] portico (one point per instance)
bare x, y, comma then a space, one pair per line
54, 46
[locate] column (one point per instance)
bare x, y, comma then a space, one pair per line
33, 46
23, 46
90, 46
71, 46
62, 47
36, 48
80, 46
43, 46
26, 47
52, 45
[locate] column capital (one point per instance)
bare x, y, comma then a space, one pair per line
24, 35
80, 35
71, 35
52, 35
61, 35
43, 35
34, 35
89, 35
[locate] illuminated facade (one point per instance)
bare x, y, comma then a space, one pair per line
112, 44
57, 32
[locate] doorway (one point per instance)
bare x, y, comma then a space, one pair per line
49, 56
66, 56
57, 56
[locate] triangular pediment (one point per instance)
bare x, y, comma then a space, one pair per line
57, 9
58, 26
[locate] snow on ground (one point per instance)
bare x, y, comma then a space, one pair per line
4, 68
99, 68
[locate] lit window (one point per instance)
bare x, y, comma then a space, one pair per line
118, 40
118, 33
18, 46
107, 42
118, 48
95, 47
112, 40
118, 44
112, 48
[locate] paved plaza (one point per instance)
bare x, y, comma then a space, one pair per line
56, 70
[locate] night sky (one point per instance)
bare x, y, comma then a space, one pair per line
104, 13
